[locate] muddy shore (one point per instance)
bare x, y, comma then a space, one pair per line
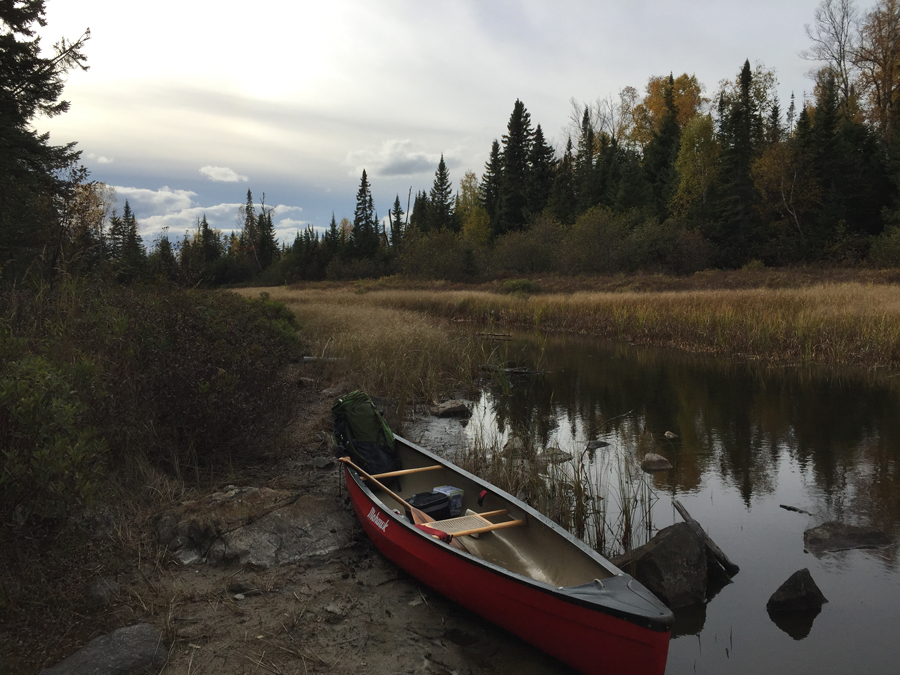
348, 611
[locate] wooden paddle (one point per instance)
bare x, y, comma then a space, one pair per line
419, 517
405, 472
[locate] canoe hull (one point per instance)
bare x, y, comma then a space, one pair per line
583, 636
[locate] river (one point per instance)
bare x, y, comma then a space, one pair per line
751, 437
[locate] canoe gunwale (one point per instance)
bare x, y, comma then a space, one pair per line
594, 599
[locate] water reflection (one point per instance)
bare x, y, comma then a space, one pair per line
736, 420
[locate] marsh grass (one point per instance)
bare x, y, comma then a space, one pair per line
602, 498
840, 324
399, 353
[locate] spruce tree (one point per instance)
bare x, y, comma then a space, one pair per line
364, 237
563, 201
490, 185
440, 200
585, 186
661, 153
540, 173
396, 216
513, 184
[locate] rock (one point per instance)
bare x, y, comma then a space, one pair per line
452, 408
671, 436
306, 382
323, 462
833, 536
595, 445
796, 624
336, 390
99, 591
555, 456
798, 593
673, 565
255, 526
653, 462
134, 650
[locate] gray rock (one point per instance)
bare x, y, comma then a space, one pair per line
337, 390
833, 536
653, 462
255, 526
99, 591
595, 445
452, 408
323, 462
673, 565
554, 455
306, 382
127, 651
798, 593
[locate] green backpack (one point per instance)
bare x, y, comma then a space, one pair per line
361, 432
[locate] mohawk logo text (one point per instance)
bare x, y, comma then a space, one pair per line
379, 523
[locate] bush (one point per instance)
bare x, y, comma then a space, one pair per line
439, 255
50, 459
185, 379
520, 287
530, 251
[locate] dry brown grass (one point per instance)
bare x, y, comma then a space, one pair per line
846, 323
399, 353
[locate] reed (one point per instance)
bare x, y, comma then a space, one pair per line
604, 499
846, 324
394, 352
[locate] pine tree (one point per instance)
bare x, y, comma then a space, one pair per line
364, 236
513, 184
563, 201
265, 245
440, 199
34, 177
585, 186
661, 153
490, 185
540, 173
396, 217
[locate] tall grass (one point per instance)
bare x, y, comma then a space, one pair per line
398, 353
848, 323
602, 498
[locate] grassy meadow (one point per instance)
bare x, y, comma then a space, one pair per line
846, 323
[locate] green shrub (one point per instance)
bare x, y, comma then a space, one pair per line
520, 287
50, 458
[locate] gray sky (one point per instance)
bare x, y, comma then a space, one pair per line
189, 104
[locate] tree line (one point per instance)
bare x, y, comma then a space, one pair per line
671, 180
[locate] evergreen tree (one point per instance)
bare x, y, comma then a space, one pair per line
661, 153
540, 175
514, 179
364, 237
396, 216
440, 200
419, 218
34, 182
490, 185
266, 245
585, 179
563, 202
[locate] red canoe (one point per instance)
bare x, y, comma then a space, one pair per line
534, 579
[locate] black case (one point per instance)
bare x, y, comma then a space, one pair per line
435, 504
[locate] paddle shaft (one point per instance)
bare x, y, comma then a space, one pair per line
398, 498
405, 472
489, 528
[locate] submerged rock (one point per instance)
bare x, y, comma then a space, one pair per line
653, 462
134, 650
798, 593
595, 445
254, 526
452, 408
832, 536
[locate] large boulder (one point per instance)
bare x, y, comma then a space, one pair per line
673, 565
135, 650
832, 536
254, 526
798, 593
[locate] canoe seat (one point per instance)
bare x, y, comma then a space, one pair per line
470, 521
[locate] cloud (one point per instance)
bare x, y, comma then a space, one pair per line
161, 201
100, 159
222, 174
394, 158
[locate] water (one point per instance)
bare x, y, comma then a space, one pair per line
751, 437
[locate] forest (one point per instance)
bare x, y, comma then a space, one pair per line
674, 179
